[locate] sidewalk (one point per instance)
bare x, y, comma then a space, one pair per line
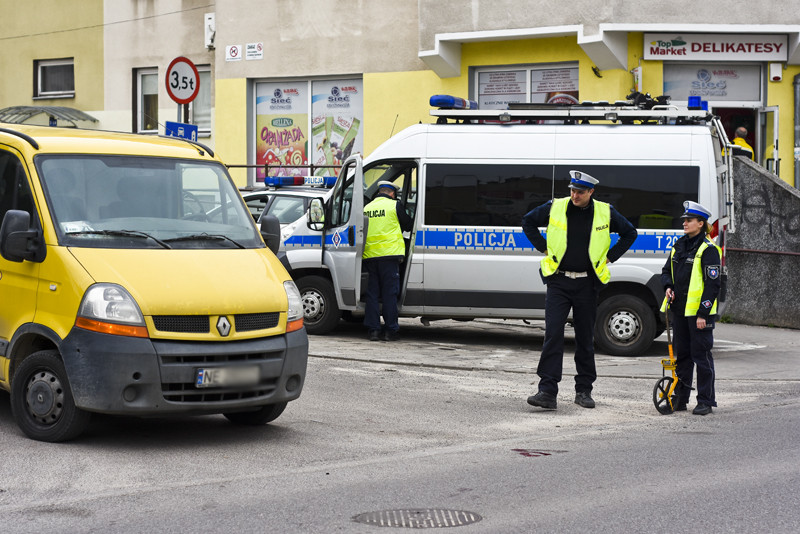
740, 351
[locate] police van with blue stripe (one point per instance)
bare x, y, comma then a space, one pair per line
468, 179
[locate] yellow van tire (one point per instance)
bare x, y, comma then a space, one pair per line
262, 416
321, 312
41, 399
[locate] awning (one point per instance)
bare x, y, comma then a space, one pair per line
21, 114
606, 45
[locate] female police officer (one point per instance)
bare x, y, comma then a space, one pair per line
691, 280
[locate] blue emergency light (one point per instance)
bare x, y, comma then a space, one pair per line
452, 102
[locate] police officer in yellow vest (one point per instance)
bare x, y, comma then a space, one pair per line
691, 280
384, 250
574, 268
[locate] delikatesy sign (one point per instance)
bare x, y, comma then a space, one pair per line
715, 47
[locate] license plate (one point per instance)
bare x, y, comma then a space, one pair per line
210, 377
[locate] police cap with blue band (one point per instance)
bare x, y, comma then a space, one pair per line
387, 184
694, 210
581, 180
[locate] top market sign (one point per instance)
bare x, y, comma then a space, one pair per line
715, 47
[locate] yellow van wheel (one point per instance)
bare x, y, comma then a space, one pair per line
41, 399
262, 416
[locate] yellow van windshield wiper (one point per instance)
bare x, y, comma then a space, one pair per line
121, 233
204, 237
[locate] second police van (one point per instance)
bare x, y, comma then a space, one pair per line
467, 181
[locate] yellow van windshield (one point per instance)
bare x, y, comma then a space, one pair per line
144, 202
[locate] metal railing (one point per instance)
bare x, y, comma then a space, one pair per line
266, 167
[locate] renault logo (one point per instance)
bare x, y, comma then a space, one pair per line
223, 326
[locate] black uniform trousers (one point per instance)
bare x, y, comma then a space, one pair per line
383, 286
693, 349
563, 294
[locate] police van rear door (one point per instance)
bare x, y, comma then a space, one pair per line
343, 242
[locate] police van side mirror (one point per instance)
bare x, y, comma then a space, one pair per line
271, 232
316, 214
18, 241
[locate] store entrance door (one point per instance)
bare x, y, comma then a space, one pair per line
733, 118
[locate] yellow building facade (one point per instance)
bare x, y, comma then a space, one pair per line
397, 99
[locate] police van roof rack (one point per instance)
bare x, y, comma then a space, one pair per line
642, 109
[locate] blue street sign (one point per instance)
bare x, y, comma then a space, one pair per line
179, 129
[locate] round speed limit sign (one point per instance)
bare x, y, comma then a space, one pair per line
183, 80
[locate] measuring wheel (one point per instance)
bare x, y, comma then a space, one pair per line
661, 395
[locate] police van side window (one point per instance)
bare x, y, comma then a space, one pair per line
649, 196
342, 198
484, 194
14, 191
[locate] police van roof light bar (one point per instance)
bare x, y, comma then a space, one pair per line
314, 181
452, 102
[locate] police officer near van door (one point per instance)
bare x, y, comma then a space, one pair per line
574, 268
692, 281
384, 250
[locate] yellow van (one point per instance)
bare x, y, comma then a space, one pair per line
119, 295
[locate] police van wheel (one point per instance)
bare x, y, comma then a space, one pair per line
262, 416
321, 313
41, 399
625, 326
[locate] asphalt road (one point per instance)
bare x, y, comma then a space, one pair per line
438, 421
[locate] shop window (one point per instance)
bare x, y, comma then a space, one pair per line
54, 78
307, 126
495, 88
146, 100
728, 84
201, 105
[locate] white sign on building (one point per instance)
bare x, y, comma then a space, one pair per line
233, 53
254, 51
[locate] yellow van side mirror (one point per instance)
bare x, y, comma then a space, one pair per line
18, 241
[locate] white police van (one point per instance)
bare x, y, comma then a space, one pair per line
468, 180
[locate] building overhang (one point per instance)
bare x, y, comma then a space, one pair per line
608, 48
30, 115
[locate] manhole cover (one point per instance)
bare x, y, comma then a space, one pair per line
418, 518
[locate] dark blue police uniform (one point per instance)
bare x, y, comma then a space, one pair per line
692, 345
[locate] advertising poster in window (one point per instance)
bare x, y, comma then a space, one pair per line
713, 82
336, 124
496, 89
555, 86
282, 128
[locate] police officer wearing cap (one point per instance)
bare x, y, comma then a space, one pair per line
691, 280
384, 250
574, 268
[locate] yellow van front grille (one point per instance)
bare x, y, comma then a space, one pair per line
200, 324
195, 324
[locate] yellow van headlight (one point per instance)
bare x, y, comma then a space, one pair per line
110, 309
294, 316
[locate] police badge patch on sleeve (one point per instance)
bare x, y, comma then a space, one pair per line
706, 304
712, 272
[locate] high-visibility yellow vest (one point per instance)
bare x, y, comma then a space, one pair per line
599, 240
384, 236
696, 284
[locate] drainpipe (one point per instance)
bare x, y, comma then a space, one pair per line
796, 84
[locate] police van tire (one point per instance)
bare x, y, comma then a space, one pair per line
321, 312
262, 416
42, 402
625, 326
